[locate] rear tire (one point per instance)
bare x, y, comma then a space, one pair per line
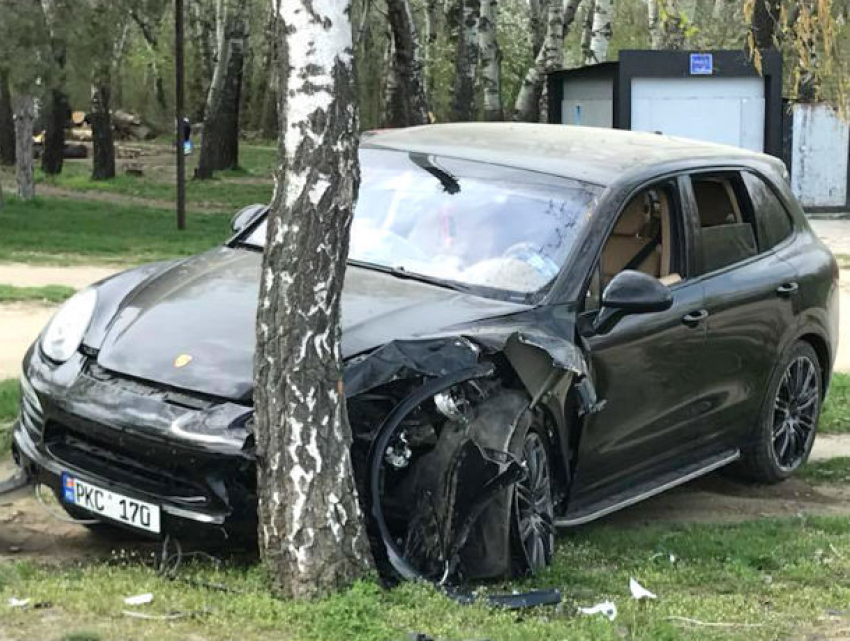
789, 418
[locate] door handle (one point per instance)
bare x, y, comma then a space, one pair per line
788, 289
695, 318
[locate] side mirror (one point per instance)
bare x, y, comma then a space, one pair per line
244, 217
631, 292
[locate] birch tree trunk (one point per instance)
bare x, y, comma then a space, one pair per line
549, 58
764, 23
103, 147
587, 30
7, 122
601, 31
24, 115
656, 36
537, 13
466, 62
432, 34
412, 104
220, 142
311, 532
491, 61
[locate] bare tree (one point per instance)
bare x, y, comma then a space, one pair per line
24, 110
7, 123
407, 104
491, 61
549, 58
466, 61
601, 31
220, 142
311, 532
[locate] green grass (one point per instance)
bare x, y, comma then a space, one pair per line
53, 230
836, 470
46, 294
221, 193
835, 417
9, 397
781, 575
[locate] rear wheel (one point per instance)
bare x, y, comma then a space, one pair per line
533, 508
789, 419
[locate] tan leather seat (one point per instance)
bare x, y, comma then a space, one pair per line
634, 230
716, 202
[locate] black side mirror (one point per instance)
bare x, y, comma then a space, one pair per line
631, 292
244, 217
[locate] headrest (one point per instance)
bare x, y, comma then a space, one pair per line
715, 208
640, 217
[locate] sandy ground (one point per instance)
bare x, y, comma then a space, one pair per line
23, 275
20, 324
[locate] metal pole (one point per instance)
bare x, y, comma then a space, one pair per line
178, 93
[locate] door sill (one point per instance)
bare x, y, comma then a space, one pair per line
623, 500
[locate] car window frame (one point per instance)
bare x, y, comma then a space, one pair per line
687, 209
778, 196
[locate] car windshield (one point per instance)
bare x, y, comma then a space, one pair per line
503, 231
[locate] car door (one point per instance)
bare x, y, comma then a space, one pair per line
749, 296
647, 371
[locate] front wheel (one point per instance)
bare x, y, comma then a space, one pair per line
789, 419
534, 508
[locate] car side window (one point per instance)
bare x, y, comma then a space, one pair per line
772, 218
646, 237
727, 233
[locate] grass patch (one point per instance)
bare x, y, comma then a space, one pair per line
781, 575
835, 417
9, 397
65, 231
46, 294
834, 470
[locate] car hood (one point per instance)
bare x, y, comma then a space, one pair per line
192, 326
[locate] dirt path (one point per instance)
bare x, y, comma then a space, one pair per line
20, 324
24, 275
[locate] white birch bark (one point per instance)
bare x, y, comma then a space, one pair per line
311, 533
24, 111
466, 62
656, 36
491, 61
601, 31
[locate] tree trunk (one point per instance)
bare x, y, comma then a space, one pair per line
764, 23
393, 88
7, 122
491, 61
466, 62
220, 142
24, 114
587, 31
103, 146
57, 109
601, 31
656, 36
537, 19
266, 95
412, 106
432, 33
560, 18
553, 47
311, 531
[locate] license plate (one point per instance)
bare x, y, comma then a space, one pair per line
133, 512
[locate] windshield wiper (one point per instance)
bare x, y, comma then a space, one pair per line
402, 273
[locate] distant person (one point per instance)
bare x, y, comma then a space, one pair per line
186, 136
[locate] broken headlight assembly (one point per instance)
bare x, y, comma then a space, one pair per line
65, 331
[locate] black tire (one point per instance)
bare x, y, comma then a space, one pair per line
789, 418
533, 506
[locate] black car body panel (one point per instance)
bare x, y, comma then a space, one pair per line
653, 401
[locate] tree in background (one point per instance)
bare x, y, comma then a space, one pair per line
491, 61
7, 124
407, 103
466, 60
23, 107
220, 142
311, 532
58, 15
600, 32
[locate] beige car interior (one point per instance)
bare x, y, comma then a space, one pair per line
716, 202
644, 219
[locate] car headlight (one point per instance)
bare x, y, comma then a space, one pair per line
66, 330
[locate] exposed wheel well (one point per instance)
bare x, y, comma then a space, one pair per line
822, 350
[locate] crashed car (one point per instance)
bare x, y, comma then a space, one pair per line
541, 325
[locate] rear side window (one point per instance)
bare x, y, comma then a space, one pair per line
772, 219
727, 233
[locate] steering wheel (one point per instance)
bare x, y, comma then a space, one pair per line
528, 253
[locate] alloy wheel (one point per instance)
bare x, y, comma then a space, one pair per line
535, 512
795, 413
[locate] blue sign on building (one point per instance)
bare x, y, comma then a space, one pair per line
702, 64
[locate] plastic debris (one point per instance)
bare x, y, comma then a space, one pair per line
639, 592
18, 603
139, 599
607, 609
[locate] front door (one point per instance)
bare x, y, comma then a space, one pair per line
648, 368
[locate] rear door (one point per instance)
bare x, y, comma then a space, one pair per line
749, 297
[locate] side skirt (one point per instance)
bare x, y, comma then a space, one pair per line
623, 500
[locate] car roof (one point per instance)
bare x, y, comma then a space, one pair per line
591, 154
